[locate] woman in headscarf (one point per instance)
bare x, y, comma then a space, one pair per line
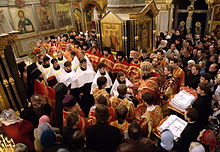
208, 138
196, 147
167, 142
21, 131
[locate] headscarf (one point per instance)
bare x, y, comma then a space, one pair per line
48, 138
196, 147
63, 150
167, 138
208, 138
44, 119
44, 126
8, 117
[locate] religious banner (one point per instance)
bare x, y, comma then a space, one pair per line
144, 35
45, 17
78, 20
112, 36
63, 14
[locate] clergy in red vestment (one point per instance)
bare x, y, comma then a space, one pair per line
52, 48
134, 68
21, 131
70, 106
178, 73
108, 59
121, 64
103, 101
76, 47
94, 55
121, 122
122, 99
148, 82
63, 42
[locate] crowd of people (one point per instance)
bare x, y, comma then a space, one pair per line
115, 103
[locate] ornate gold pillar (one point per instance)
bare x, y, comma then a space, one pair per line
7, 80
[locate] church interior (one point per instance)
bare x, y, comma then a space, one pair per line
110, 75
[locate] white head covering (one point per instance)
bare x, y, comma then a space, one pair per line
198, 148
191, 62
8, 117
167, 138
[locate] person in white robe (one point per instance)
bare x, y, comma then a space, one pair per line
75, 63
46, 67
67, 75
61, 59
83, 55
84, 75
55, 73
121, 79
81, 86
101, 72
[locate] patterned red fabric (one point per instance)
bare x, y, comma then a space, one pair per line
121, 66
109, 62
94, 58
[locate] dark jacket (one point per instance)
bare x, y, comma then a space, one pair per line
203, 106
103, 138
189, 134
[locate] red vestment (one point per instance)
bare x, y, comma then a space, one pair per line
94, 58
121, 66
149, 85
179, 75
92, 119
82, 123
21, 132
62, 45
134, 72
109, 62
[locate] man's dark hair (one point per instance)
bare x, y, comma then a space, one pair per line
169, 68
207, 76
54, 60
119, 74
73, 54
107, 49
82, 60
101, 65
121, 112
46, 58
148, 98
122, 89
143, 51
72, 119
160, 50
101, 81
101, 113
102, 100
192, 114
197, 66
67, 63
175, 60
205, 87
134, 131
